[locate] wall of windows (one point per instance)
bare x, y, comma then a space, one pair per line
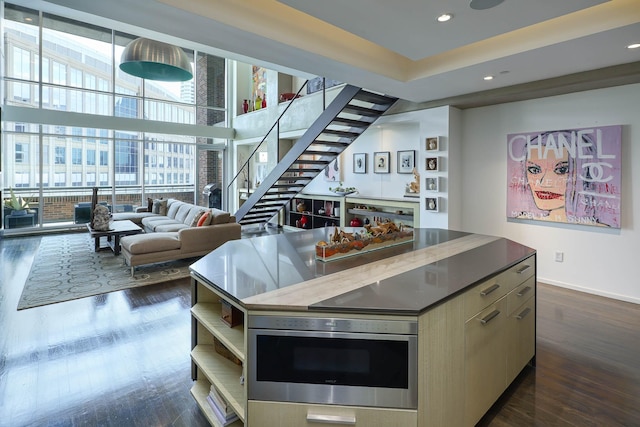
58, 64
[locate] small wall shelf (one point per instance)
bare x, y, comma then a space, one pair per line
390, 215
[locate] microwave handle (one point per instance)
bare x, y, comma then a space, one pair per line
331, 419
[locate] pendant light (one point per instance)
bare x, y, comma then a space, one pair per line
154, 60
484, 4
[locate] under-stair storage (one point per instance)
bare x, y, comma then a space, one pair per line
315, 211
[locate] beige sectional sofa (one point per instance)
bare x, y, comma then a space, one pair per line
175, 234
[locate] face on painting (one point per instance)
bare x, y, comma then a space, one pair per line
547, 178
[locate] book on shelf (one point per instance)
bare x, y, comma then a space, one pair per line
220, 402
225, 420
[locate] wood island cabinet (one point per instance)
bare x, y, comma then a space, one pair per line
521, 328
471, 346
495, 350
305, 414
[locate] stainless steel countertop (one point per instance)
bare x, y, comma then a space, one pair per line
248, 269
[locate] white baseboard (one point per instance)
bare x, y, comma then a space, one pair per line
590, 291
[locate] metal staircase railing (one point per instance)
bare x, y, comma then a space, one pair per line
343, 120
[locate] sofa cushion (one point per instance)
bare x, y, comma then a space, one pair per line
149, 243
193, 216
135, 217
151, 223
183, 211
194, 219
173, 226
205, 219
159, 207
174, 205
219, 217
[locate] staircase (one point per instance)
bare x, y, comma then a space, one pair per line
348, 116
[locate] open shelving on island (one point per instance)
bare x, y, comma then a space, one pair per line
217, 354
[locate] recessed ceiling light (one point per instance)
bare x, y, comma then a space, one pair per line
488, 77
633, 46
28, 19
445, 17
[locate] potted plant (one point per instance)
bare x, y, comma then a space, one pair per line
17, 204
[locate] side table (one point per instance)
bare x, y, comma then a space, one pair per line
117, 229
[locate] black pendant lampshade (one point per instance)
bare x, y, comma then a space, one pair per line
154, 60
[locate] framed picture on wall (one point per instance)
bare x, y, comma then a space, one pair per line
432, 164
431, 184
432, 204
406, 161
332, 171
381, 161
432, 143
360, 163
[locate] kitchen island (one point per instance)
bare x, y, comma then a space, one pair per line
471, 297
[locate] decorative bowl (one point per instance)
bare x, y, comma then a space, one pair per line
344, 193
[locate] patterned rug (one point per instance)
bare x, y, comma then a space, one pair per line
66, 267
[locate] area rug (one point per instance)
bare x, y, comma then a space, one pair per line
66, 267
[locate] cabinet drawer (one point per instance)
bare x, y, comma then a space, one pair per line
520, 272
279, 414
484, 294
521, 329
520, 294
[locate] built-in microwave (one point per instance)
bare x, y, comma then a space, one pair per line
333, 361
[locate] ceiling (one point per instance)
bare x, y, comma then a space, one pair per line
531, 48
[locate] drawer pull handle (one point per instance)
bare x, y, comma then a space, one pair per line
331, 419
490, 289
486, 319
524, 313
523, 269
524, 291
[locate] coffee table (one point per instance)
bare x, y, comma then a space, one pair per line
117, 229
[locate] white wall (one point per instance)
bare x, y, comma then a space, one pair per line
596, 260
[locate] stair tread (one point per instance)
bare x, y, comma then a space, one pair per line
363, 111
311, 162
360, 124
331, 143
375, 98
341, 132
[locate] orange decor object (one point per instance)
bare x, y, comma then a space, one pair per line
357, 240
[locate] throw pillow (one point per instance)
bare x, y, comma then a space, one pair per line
196, 219
159, 207
204, 219
149, 204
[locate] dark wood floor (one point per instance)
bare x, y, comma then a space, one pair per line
122, 359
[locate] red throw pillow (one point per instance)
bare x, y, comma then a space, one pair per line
203, 219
